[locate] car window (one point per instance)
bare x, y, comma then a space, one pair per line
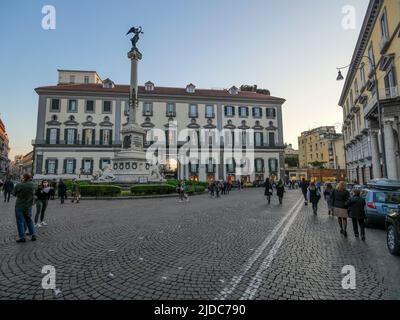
364, 193
387, 197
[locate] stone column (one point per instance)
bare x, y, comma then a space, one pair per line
376, 163
390, 150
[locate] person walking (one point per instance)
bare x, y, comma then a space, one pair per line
24, 192
62, 191
42, 194
340, 196
182, 192
280, 190
356, 205
268, 190
53, 188
304, 188
8, 188
76, 191
313, 196
328, 197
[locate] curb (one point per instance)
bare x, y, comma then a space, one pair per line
161, 196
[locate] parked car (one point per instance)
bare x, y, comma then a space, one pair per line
393, 232
382, 198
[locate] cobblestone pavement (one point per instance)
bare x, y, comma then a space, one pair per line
236, 247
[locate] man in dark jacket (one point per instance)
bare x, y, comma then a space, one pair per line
268, 190
8, 188
24, 192
304, 188
62, 190
356, 207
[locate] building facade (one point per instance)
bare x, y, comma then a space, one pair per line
80, 120
321, 145
4, 151
21, 164
371, 129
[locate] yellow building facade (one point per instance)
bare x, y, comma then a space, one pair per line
322, 145
371, 97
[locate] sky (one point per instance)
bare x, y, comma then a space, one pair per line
290, 47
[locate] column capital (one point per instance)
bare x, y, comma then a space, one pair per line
388, 121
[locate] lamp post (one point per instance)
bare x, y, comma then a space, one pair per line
380, 122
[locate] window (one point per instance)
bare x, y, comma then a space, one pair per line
55, 105
89, 106
104, 163
51, 166
147, 109
88, 136
384, 27
271, 139
258, 139
244, 138
193, 167
372, 58
70, 136
171, 109
72, 106
243, 112
210, 166
271, 113
273, 166
53, 136
351, 97
193, 111
259, 164
69, 166
72, 79
107, 107
209, 111
362, 76
87, 166
149, 138
356, 88
106, 137
86, 80
230, 166
390, 85
229, 111
257, 112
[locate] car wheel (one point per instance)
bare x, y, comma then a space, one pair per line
393, 241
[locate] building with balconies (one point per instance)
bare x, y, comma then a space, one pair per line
4, 151
80, 120
371, 129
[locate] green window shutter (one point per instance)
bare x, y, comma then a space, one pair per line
47, 165
247, 112
261, 112
233, 110
75, 136
65, 166
56, 167
83, 136
110, 137
47, 136
58, 136
254, 113
74, 169
82, 167
91, 166
93, 136
65, 136
100, 165
101, 136
226, 110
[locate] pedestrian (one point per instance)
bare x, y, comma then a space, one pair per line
24, 192
182, 191
53, 188
268, 190
304, 188
280, 190
8, 188
328, 197
62, 191
340, 196
76, 191
42, 194
313, 196
356, 205
318, 185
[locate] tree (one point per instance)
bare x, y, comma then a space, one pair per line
317, 164
254, 88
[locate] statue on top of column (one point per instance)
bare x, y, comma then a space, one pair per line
135, 39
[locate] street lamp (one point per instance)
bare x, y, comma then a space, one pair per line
373, 66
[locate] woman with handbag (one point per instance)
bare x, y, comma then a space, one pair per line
339, 202
268, 190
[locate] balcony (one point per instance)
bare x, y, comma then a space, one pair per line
370, 105
193, 115
389, 93
170, 114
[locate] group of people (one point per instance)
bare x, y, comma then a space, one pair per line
269, 189
29, 194
218, 188
341, 204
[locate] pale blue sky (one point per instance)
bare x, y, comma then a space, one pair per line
290, 47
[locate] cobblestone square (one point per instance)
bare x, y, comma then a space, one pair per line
235, 247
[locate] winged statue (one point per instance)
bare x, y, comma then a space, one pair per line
136, 32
